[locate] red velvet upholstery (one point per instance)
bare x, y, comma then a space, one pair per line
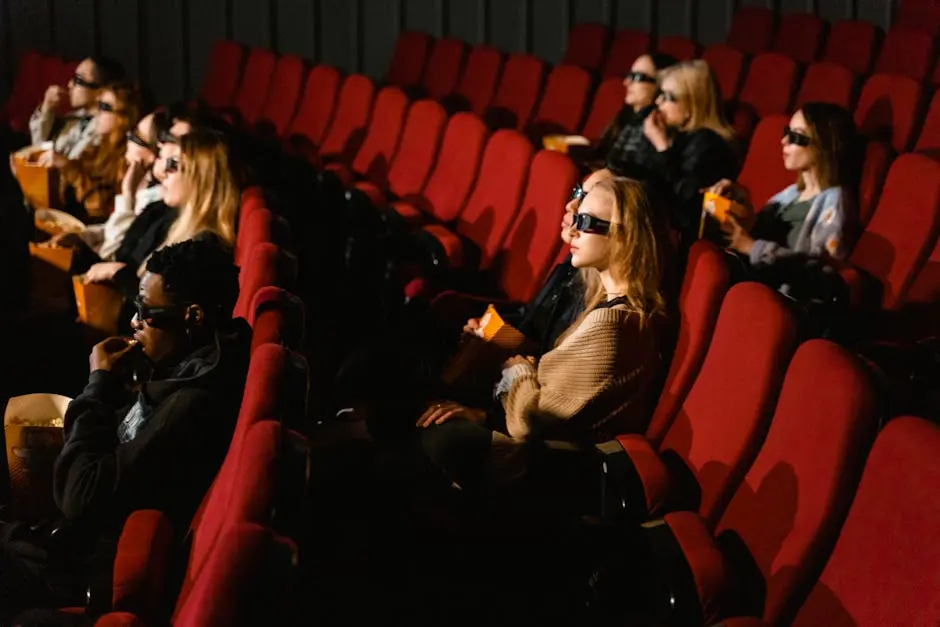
903, 230
681, 48
728, 65
703, 288
628, 44
282, 101
257, 228
455, 171
883, 570
608, 99
531, 246
888, 108
563, 101
141, 563
316, 105
255, 85
223, 74
444, 66
878, 157
710, 569
770, 83
924, 14
277, 317
827, 81
264, 265
408, 59
763, 174
719, 429
249, 204
800, 36
587, 45
519, 89
119, 619
347, 129
853, 43
478, 82
788, 510
494, 202
907, 51
742, 621
752, 30
929, 139
26, 91
653, 474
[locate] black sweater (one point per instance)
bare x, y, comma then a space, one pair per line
146, 233
185, 420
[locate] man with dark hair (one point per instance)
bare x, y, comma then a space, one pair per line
157, 450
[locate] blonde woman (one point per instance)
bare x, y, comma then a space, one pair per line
694, 144
598, 380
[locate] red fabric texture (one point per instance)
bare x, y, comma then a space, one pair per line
408, 59
827, 81
743, 621
256, 84
353, 109
888, 108
924, 14
140, 563
288, 80
929, 138
703, 289
409, 212
373, 192
223, 74
853, 43
752, 30
563, 100
770, 83
119, 619
883, 570
763, 174
444, 66
907, 51
728, 65
793, 500
316, 105
26, 91
277, 317
256, 229
520, 87
720, 427
374, 158
415, 157
878, 156
479, 79
450, 242
627, 45
608, 100
709, 567
262, 267
587, 45
681, 48
650, 469
800, 36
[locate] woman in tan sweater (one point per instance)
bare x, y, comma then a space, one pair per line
600, 378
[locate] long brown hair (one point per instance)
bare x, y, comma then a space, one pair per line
700, 94
833, 143
213, 199
638, 241
107, 160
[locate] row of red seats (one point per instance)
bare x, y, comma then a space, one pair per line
36, 72
747, 444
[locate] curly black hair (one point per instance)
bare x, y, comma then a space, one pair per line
198, 271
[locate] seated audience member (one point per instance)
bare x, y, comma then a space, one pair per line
623, 143
813, 218
158, 448
92, 181
599, 378
201, 198
73, 134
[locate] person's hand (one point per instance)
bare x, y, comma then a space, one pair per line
472, 326
724, 187
51, 158
13, 165
519, 360
654, 127
132, 177
108, 352
102, 271
63, 240
52, 98
738, 238
442, 411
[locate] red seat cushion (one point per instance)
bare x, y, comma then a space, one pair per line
451, 243
650, 469
409, 212
709, 567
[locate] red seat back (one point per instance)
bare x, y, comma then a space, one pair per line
408, 59
929, 138
420, 139
27, 87
888, 108
907, 51
256, 84
770, 83
456, 167
608, 100
477, 85
752, 30
703, 288
628, 44
681, 48
284, 97
532, 244
800, 36
519, 89
719, 429
903, 229
257, 227
878, 156
923, 14
494, 201
883, 570
587, 45
827, 81
728, 65
353, 109
316, 105
223, 74
374, 158
277, 317
263, 266
444, 66
853, 43
763, 174
563, 100
788, 510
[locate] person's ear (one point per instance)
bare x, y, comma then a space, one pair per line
194, 315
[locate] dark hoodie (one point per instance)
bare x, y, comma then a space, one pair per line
161, 451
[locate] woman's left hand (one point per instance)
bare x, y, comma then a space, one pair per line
519, 360
53, 159
738, 238
103, 271
654, 127
442, 411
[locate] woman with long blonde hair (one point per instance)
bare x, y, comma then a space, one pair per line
600, 377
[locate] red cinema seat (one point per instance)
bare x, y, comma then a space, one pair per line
347, 130
827, 81
587, 46
888, 108
752, 30
608, 100
282, 101
315, 111
929, 138
563, 101
477, 85
223, 74
763, 174
628, 44
800, 36
256, 85
681, 48
853, 44
768, 90
518, 92
408, 59
728, 65
909, 52
265, 265
444, 67
27, 91
277, 317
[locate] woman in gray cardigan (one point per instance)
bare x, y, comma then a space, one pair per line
812, 220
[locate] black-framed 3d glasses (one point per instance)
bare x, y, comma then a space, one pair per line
78, 81
166, 137
586, 223
640, 77
577, 192
134, 138
796, 138
172, 165
160, 317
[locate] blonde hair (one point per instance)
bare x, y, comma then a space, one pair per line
699, 93
636, 256
213, 196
